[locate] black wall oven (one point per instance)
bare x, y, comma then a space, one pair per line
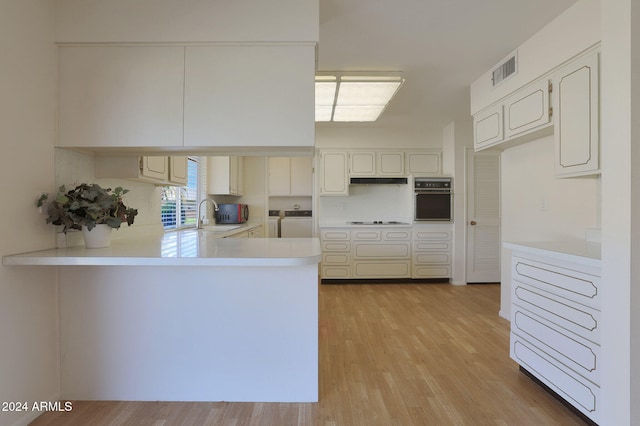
433, 199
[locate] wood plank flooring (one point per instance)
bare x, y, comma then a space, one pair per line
390, 354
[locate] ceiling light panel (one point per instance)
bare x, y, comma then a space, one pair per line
366, 93
357, 113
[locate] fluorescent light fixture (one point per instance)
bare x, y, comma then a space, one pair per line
354, 98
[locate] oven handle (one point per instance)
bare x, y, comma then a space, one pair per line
433, 191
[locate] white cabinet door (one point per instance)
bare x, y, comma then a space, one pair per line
422, 163
333, 173
251, 95
120, 96
178, 170
488, 127
223, 175
362, 164
279, 176
527, 109
301, 176
576, 134
155, 167
390, 164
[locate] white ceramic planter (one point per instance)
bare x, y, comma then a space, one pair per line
98, 237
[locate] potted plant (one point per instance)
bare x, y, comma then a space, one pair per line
90, 208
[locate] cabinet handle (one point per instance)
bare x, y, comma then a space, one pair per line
473, 223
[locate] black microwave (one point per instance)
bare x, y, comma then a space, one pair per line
232, 213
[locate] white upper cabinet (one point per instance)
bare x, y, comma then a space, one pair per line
488, 127
422, 163
290, 176
249, 95
334, 173
120, 96
225, 175
159, 170
576, 123
390, 163
527, 109
376, 163
178, 170
362, 163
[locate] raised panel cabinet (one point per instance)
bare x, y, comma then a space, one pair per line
159, 170
576, 136
422, 163
527, 109
333, 173
488, 127
390, 163
362, 163
120, 96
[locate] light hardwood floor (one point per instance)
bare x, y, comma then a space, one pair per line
390, 354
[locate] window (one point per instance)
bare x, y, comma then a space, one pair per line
179, 204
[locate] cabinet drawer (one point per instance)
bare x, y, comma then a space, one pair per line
381, 251
335, 235
431, 271
336, 258
568, 283
571, 316
398, 269
431, 235
336, 246
578, 391
369, 235
431, 246
432, 258
396, 235
578, 354
337, 272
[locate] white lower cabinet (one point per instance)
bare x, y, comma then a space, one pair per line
336, 253
555, 326
386, 252
381, 253
431, 253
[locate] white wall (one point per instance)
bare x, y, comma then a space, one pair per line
620, 130
186, 20
29, 364
372, 137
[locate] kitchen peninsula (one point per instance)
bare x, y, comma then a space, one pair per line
187, 316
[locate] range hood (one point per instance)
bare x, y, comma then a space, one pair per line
378, 181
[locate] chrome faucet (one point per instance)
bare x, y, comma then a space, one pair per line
201, 218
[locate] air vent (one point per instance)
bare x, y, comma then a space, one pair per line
505, 70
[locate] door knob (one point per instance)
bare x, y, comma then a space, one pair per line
473, 223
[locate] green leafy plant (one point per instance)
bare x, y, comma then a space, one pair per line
87, 205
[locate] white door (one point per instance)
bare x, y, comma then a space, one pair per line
483, 216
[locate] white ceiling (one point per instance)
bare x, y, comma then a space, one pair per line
440, 47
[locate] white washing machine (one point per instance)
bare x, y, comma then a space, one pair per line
296, 224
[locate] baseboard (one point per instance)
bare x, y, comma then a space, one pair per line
504, 315
385, 281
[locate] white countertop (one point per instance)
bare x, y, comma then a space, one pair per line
575, 251
346, 223
182, 248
